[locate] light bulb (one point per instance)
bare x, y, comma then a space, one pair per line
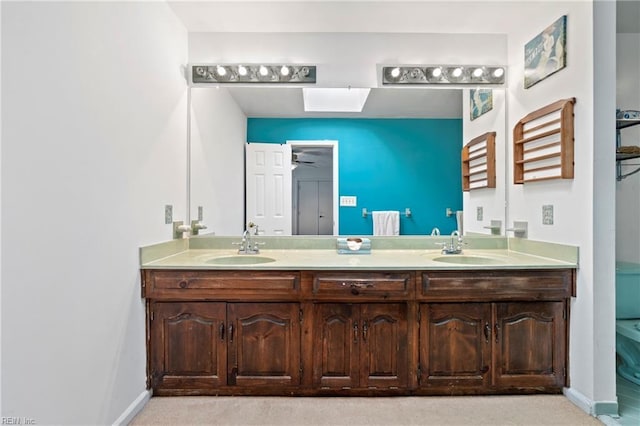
457, 72
437, 72
284, 70
263, 71
395, 72
498, 72
478, 72
221, 70
242, 70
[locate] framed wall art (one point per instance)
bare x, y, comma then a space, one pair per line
480, 102
546, 53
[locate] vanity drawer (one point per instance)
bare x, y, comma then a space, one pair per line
362, 284
481, 285
213, 285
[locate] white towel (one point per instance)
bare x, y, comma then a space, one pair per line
386, 223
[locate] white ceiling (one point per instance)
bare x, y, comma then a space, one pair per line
382, 102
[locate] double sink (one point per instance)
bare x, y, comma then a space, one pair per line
458, 259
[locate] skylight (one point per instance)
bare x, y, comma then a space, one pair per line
334, 99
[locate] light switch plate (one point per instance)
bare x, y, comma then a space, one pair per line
168, 214
547, 214
479, 213
348, 201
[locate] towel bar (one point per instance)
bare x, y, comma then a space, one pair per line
407, 212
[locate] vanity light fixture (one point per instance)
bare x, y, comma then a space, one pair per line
257, 73
443, 74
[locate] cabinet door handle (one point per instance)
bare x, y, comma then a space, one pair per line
355, 332
231, 333
496, 327
221, 331
364, 331
487, 332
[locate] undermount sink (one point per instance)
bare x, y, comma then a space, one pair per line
468, 260
240, 259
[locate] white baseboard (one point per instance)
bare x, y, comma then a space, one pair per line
134, 408
594, 408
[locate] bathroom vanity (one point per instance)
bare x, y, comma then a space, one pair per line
392, 323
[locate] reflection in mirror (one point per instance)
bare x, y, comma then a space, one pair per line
402, 152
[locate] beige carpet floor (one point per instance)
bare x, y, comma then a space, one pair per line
474, 410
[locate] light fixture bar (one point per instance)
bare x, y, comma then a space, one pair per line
253, 73
443, 74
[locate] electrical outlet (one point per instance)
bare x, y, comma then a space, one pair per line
479, 213
168, 214
200, 214
348, 201
547, 214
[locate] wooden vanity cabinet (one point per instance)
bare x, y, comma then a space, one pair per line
201, 346
360, 346
480, 347
529, 345
187, 347
484, 345
455, 347
225, 332
438, 332
263, 344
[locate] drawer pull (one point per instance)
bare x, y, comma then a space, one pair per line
487, 332
183, 284
230, 333
355, 332
221, 331
364, 331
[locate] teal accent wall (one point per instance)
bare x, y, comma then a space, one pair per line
389, 164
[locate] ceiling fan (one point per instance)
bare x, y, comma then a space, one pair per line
296, 161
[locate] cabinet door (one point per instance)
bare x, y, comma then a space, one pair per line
384, 354
529, 344
187, 345
455, 345
264, 344
335, 346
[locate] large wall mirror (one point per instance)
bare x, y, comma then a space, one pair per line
401, 153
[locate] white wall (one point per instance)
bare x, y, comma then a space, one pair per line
581, 206
218, 136
93, 147
492, 200
627, 190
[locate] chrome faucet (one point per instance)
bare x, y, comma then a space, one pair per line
453, 248
247, 245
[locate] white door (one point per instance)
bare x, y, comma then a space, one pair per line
268, 192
